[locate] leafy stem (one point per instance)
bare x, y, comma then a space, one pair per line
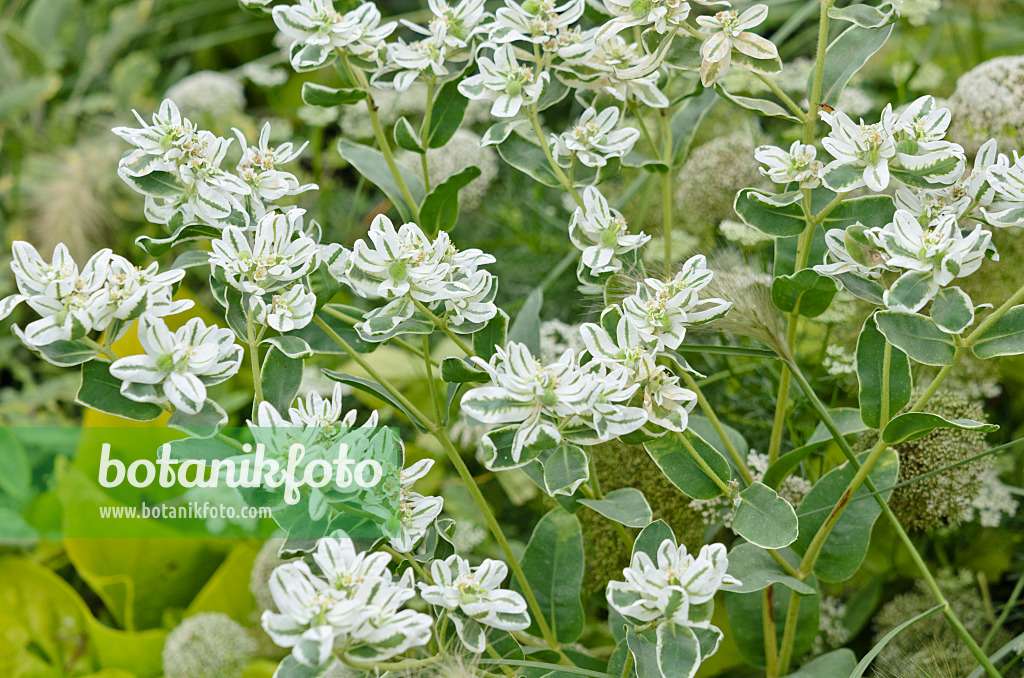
254, 360
534, 117
443, 326
716, 423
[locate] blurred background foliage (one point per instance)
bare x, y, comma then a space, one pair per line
72, 69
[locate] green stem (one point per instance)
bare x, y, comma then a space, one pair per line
443, 326
771, 648
666, 188
779, 422
722, 485
102, 349
886, 364
359, 77
254, 361
814, 100
404, 665
786, 99
709, 412
555, 167
397, 341
789, 632
1014, 595
627, 666
424, 128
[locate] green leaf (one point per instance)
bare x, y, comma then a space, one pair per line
320, 95
627, 506
203, 424
375, 389
807, 292
529, 158
440, 208
500, 131
554, 91
644, 648
490, 335
871, 371
757, 570
848, 421
686, 122
952, 310
553, 563
290, 668
16, 479
445, 115
159, 184
847, 543
678, 651
1003, 337
652, 537
774, 215
374, 167
758, 105
407, 138
845, 56
682, 54
159, 246
102, 392
835, 664
526, 327
67, 353
764, 518
865, 662
914, 425
461, 371
745, 615
677, 463
864, 16
869, 210
281, 377
565, 469
293, 347
918, 337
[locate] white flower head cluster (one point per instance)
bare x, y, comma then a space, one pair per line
728, 32
594, 140
675, 585
506, 82
177, 166
910, 143
319, 32
474, 600
177, 367
404, 266
108, 293
602, 234
799, 164
355, 607
415, 512
540, 23
615, 67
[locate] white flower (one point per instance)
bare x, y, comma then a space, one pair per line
729, 30
1007, 208
410, 60
932, 257
868, 262
660, 310
667, 404
178, 366
473, 594
663, 15
132, 291
928, 204
594, 139
415, 512
671, 585
286, 311
317, 30
320, 412
505, 82
190, 185
602, 234
920, 131
600, 70
457, 25
278, 254
866, 147
260, 169
536, 21
799, 164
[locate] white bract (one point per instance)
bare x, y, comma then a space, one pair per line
457, 25
285, 311
318, 31
932, 256
415, 512
671, 585
594, 139
276, 255
662, 15
1007, 207
177, 367
474, 599
506, 82
411, 60
602, 234
260, 165
799, 164
863, 148
727, 31
535, 21
610, 68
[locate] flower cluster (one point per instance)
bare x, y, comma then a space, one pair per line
177, 166
675, 587
108, 293
354, 606
602, 235
910, 144
319, 32
473, 599
414, 273
594, 140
